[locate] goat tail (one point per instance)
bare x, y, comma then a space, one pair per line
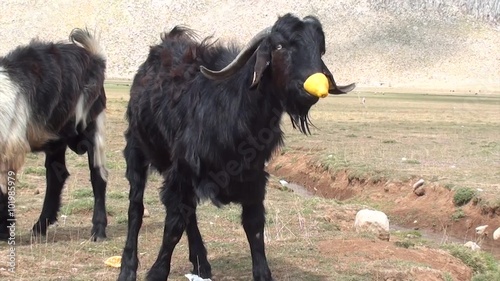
88, 41
99, 143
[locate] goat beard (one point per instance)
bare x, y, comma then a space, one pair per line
297, 106
302, 123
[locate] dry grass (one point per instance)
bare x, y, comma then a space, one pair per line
372, 138
451, 140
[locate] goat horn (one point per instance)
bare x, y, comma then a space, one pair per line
240, 59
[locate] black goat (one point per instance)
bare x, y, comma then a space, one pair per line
51, 97
209, 133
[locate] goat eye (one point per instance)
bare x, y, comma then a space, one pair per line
279, 47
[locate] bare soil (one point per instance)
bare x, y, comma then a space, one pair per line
431, 213
361, 251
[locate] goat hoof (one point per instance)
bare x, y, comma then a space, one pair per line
203, 272
39, 229
98, 234
98, 238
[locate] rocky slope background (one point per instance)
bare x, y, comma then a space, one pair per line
451, 45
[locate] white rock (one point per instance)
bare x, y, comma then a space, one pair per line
480, 190
480, 229
194, 277
472, 245
146, 213
372, 221
418, 184
283, 182
496, 234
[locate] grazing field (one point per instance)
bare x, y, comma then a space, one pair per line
450, 140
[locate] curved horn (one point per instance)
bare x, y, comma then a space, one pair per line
240, 59
334, 89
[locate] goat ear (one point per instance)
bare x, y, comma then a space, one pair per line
262, 60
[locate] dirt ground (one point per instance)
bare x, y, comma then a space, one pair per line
308, 238
362, 251
430, 213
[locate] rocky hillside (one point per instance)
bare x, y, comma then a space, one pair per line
448, 44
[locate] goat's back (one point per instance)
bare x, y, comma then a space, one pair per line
180, 115
51, 79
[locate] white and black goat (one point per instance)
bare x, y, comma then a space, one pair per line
51, 97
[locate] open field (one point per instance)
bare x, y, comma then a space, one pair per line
450, 140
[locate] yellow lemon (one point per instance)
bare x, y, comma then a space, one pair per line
317, 85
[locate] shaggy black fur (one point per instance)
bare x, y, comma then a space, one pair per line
52, 77
210, 139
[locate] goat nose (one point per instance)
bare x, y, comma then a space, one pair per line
317, 85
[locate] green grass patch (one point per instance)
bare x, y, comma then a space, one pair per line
83, 193
482, 263
463, 195
408, 234
458, 214
412, 161
117, 195
33, 170
83, 205
405, 244
121, 219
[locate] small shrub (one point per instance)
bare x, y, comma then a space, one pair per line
487, 276
447, 277
463, 195
405, 244
481, 263
414, 233
458, 214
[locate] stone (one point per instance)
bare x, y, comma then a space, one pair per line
418, 184
480, 229
496, 234
472, 245
146, 213
419, 191
372, 221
